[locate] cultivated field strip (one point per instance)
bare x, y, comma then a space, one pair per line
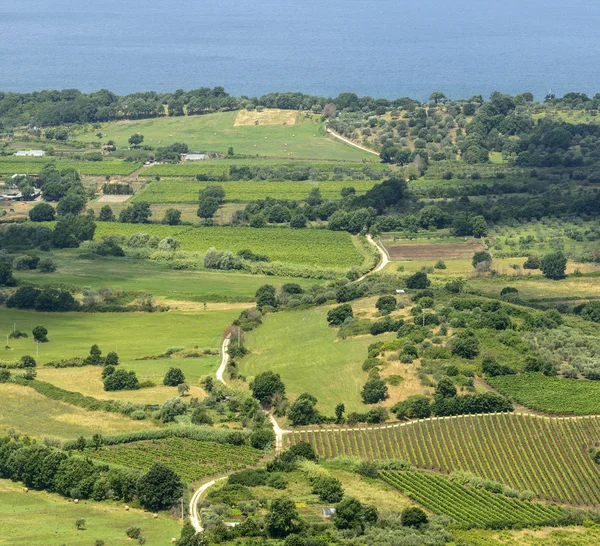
546, 455
469, 506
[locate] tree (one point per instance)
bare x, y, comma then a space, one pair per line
159, 488
46, 265
282, 518
328, 488
262, 438
121, 380
479, 226
71, 230
95, 356
208, 207
173, 377
413, 517
112, 359
266, 385
137, 213
338, 315
172, 217
591, 311
465, 345
374, 390
106, 214
40, 334
171, 408
554, 265
189, 536
71, 203
437, 96
350, 513
481, 256
339, 414
42, 212
230, 151
314, 197
386, 304
445, 388
302, 411
266, 296
6, 271
27, 362
298, 220
182, 388
418, 281
80, 524
414, 407
136, 140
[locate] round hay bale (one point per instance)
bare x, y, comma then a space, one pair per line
154, 516
173, 540
76, 501
25, 489
126, 508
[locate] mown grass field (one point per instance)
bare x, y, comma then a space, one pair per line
302, 348
38, 518
132, 335
548, 536
545, 455
174, 190
11, 165
324, 248
191, 459
550, 394
150, 277
31, 413
217, 132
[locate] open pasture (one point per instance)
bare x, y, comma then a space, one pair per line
173, 190
548, 536
217, 132
323, 248
39, 518
28, 412
545, 455
305, 351
156, 278
10, 166
131, 335
266, 116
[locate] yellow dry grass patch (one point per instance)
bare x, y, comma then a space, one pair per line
411, 385
87, 380
31, 413
175, 305
269, 116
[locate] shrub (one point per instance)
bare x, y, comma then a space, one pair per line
465, 345
413, 517
27, 362
374, 390
121, 380
553, 265
40, 334
338, 315
328, 489
26, 262
171, 409
386, 304
418, 281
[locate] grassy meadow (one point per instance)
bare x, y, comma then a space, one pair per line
38, 518
302, 348
11, 165
132, 335
156, 278
217, 132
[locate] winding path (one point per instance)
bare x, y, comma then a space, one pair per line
348, 141
194, 519
384, 258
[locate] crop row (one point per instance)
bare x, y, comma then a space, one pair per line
186, 190
546, 456
469, 506
315, 247
190, 459
218, 167
90, 168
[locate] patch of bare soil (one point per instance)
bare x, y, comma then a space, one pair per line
434, 251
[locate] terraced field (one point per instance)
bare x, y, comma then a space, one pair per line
545, 455
469, 506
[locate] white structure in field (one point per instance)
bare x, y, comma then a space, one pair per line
30, 153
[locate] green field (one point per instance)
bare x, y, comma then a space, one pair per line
38, 518
217, 132
302, 348
173, 190
549, 536
469, 506
545, 455
10, 166
31, 413
191, 459
132, 335
154, 278
322, 248
550, 394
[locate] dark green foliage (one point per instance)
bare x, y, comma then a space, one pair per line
262, 438
445, 388
173, 377
6, 268
46, 265
201, 417
415, 407
337, 315
386, 304
533, 262
266, 385
70, 231
492, 368
591, 311
121, 380
385, 325
465, 345
374, 390
487, 402
413, 516
40, 334
171, 408
249, 477
136, 213
303, 412
266, 297
328, 489
352, 514
277, 481
159, 488
27, 362
42, 212
418, 281
480, 257
282, 518
553, 265
26, 262
106, 214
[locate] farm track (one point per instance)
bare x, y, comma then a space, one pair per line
384, 258
347, 141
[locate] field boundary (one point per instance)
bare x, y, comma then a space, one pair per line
349, 142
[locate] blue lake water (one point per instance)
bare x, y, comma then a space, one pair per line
382, 48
